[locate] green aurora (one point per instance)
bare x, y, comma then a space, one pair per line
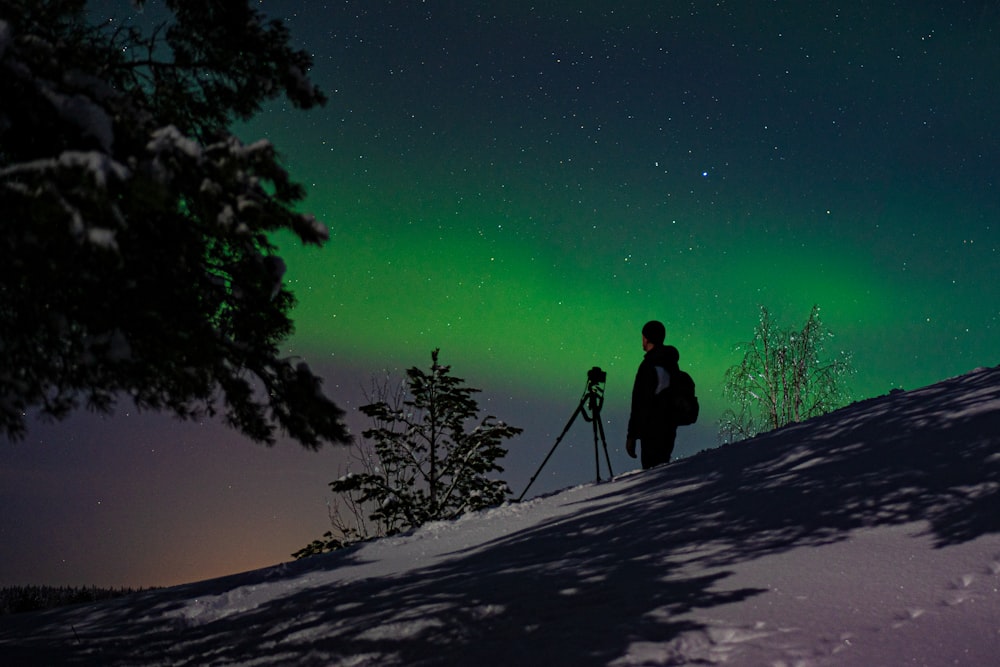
396, 282
524, 189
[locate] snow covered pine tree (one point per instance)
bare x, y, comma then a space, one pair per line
135, 253
426, 466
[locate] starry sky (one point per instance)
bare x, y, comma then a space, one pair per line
523, 185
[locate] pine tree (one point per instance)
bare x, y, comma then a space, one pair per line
784, 377
136, 252
425, 465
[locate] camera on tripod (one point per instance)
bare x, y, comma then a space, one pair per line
590, 407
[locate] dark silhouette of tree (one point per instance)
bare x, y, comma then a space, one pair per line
136, 254
420, 463
783, 378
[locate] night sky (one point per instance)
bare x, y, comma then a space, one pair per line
523, 185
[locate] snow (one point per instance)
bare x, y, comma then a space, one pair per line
245, 150
81, 111
169, 138
865, 537
319, 230
5, 37
103, 238
97, 164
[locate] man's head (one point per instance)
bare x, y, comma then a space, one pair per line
654, 333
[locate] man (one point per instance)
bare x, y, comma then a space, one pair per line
649, 421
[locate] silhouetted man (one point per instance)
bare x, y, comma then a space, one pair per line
649, 421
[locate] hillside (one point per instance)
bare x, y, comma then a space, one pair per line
865, 537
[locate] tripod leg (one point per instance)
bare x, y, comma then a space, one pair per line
597, 420
596, 401
579, 409
597, 459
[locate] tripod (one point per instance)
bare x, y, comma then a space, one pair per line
592, 400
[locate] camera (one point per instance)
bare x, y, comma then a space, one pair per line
596, 376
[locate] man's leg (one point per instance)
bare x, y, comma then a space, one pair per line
657, 451
654, 452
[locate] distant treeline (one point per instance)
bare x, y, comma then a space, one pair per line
17, 599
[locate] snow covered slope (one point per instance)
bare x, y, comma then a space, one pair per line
870, 536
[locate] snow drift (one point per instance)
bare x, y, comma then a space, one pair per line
868, 536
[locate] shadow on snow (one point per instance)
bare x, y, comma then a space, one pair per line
581, 587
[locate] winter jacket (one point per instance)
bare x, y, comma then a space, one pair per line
649, 418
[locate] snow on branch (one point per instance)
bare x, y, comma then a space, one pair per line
5, 37
99, 165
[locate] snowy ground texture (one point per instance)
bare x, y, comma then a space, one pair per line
867, 537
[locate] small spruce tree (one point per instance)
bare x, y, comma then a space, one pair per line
420, 463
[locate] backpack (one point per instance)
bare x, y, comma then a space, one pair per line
683, 402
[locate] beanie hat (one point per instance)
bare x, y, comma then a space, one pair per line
654, 332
